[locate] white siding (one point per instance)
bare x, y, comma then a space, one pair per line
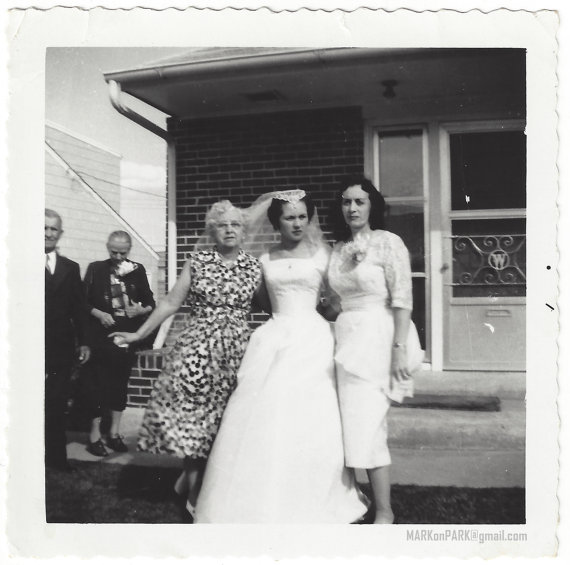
86, 223
99, 168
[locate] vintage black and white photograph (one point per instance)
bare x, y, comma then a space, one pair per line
286, 282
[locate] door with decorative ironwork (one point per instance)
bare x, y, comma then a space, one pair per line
485, 246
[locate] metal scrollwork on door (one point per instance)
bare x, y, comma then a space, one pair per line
489, 260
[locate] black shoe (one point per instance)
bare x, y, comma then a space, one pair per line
97, 448
117, 444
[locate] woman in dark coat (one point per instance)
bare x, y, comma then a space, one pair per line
119, 299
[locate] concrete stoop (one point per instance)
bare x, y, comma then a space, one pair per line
499, 383
456, 447
430, 447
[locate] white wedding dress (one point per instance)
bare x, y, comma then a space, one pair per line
278, 456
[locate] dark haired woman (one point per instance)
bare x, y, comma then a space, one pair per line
278, 456
377, 347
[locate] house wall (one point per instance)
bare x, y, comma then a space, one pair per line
99, 167
241, 158
86, 223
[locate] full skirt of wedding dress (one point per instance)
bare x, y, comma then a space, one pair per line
278, 456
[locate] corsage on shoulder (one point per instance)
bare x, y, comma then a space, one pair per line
355, 251
125, 268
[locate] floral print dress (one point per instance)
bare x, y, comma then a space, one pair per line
189, 398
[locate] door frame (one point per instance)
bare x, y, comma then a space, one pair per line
372, 171
448, 215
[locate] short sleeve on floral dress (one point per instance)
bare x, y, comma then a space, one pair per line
189, 397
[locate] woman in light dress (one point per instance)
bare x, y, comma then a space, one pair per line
377, 347
189, 397
278, 456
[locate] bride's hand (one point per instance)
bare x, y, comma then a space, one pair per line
399, 367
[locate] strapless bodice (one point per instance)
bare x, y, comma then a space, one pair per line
294, 284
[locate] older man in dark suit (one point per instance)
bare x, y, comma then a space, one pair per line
119, 299
65, 338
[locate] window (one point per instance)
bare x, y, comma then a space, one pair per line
488, 200
401, 163
400, 166
488, 170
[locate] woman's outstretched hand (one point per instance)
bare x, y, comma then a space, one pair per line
122, 339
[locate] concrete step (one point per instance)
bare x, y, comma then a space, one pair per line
452, 468
493, 383
130, 425
428, 447
458, 448
417, 428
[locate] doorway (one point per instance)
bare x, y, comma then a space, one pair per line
484, 270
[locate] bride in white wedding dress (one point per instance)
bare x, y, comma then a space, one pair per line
278, 456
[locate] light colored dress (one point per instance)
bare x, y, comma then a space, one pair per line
278, 456
371, 277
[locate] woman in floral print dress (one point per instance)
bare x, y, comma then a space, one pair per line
189, 398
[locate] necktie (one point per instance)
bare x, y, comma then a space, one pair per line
48, 267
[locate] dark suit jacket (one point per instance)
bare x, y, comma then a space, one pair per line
66, 314
97, 284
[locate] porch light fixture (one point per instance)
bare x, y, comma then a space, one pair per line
389, 91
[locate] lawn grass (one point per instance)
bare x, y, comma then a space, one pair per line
104, 493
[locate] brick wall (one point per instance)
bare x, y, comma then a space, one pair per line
145, 372
242, 157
